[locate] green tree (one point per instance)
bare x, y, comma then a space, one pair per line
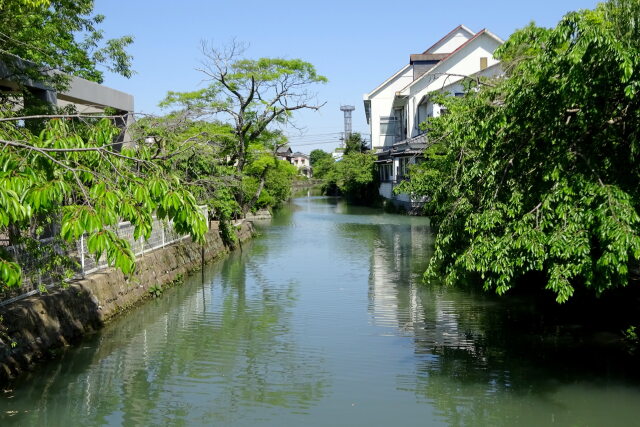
538, 173
355, 144
321, 162
318, 155
354, 177
69, 172
41, 37
267, 180
323, 167
252, 94
199, 150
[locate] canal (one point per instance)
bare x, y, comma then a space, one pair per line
323, 320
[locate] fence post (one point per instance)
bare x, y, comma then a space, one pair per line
142, 244
163, 234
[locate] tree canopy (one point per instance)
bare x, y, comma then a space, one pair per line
537, 173
318, 155
355, 144
354, 177
39, 37
321, 162
66, 170
251, 94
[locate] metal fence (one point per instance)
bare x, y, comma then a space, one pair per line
76, 258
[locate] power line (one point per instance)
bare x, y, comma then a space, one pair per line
320, 135
314, 134
313, 143
305, 143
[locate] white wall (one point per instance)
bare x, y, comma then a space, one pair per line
464, 63
382, 105
451, 43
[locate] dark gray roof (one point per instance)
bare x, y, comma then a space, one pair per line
283, 151
411, 146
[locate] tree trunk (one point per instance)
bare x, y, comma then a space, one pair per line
256, 196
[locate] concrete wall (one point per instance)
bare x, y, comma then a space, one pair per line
85, 92
41, 324
386, 190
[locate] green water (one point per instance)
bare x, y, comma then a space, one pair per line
322, 320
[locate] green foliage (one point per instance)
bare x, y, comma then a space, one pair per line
202, 162
251, 94
67, 172
277, 176
354, 176
317, 156
538, 172
631, 334
228, 233
355, 144
156, 291
323, 167
321, 162
61, 35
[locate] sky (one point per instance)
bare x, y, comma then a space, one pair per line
356, 44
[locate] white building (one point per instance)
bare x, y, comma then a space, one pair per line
395, 109
301, 161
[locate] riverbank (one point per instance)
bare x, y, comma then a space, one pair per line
32, 329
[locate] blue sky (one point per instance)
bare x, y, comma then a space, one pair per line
355, 44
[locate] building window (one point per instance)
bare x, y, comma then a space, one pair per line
385, 172
483, 62
388, 125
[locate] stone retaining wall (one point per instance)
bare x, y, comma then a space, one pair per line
40, 324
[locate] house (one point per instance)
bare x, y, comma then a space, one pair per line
301, 161
395, 109
284, 153
298, 159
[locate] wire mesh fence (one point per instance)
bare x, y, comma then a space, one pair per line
50, 263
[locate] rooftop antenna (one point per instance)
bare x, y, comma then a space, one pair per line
347, 109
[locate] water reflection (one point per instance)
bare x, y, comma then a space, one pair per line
483, 361
186, 358
321, 320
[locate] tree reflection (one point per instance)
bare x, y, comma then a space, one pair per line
180, 360
480, 359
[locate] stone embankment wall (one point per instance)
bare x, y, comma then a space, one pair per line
306, 183
40, 324
260, 215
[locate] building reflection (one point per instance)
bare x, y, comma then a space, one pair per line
479, 359
399, 256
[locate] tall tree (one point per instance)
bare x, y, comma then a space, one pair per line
251, 93
538, 173
317, 155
